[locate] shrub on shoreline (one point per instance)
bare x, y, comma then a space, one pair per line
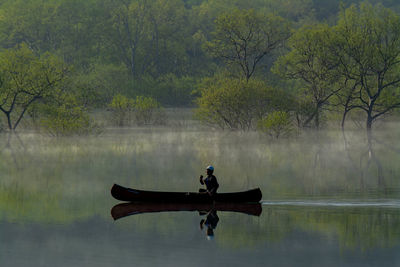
276, 124
237, 104
139, 111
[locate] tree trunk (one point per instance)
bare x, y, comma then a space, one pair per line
317, 117
369, 122
9, 121
309, 120
132, 63
157, 59
344, 119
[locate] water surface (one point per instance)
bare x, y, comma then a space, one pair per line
327, 200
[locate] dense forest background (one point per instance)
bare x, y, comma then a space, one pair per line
239, 62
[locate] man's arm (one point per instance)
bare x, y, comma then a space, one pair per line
201, 179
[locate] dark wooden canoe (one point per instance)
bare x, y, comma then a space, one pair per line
134, 195
126, 209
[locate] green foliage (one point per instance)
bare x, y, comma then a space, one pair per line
97, 86
141, 110
243, 38
368, 49
327, 10
26, 78
304, 110
168, 89
312, 62
29, 22
156, 48
235, 104
147, 111
65, 117
144, 35
354, 64
299, 11
276, 124
66, 28
174, 91
122, 107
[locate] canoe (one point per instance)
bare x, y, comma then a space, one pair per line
133, 195
127, 209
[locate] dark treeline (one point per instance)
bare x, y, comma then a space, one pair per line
112, 53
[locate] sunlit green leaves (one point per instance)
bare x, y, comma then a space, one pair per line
236, 104
26, 78
140, 110
276, 124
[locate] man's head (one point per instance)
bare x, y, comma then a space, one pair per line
210, 170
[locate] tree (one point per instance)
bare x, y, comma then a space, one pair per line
142, 110
63, 115
128, 21
166, 38
243, 38
147, 36
76, 30
26, 78
275, 124
298, 11
69, 29
368, 49
236, 103
311, 61
30, 22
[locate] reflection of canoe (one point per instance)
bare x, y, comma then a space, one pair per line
126, 209
128, 194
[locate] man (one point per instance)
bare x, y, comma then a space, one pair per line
210, 181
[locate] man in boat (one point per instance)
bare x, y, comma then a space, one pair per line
210, 181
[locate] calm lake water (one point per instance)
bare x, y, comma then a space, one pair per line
328, 200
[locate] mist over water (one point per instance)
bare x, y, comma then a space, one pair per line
328, 199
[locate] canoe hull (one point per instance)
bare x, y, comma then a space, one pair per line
133, 195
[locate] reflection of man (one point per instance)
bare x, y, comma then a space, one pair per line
210, 222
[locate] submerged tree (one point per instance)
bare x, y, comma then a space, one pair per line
26, 78
243, 38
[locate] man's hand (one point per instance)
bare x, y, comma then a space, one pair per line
201, 179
